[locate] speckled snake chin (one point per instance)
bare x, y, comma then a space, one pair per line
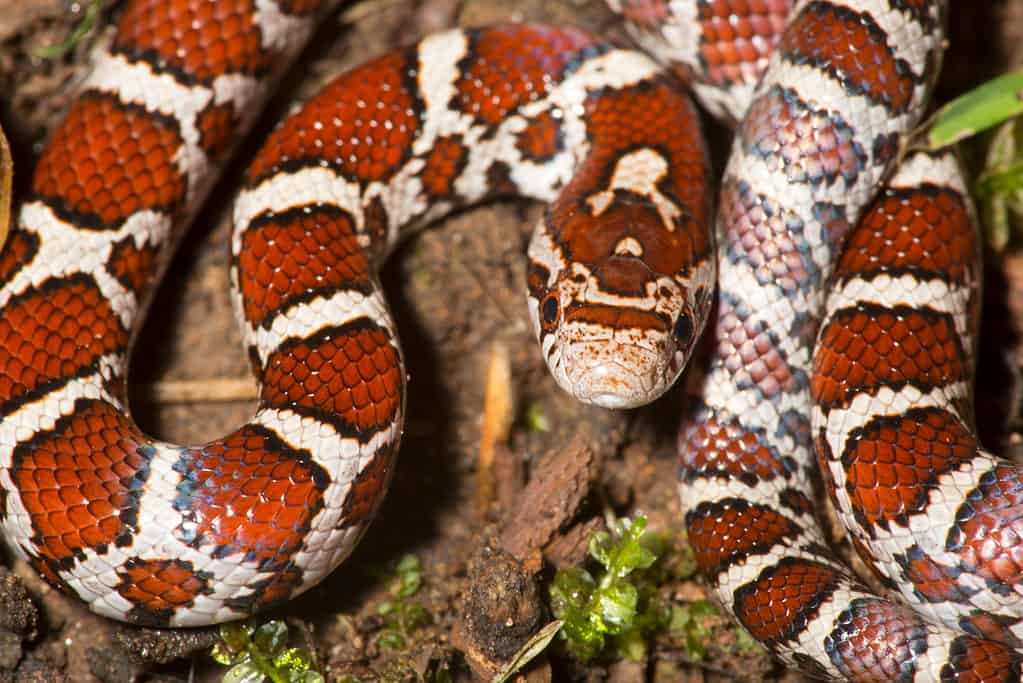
621, 280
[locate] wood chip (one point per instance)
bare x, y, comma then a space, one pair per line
556, 489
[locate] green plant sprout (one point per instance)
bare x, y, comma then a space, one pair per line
85, 26
401, 615
258, 654
536, 419
619, 607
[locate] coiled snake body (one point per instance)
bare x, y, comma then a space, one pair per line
620, 281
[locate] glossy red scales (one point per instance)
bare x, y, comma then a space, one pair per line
738, 36
111, 161
61, 329
362, 124
160, 587
80, 482
877, 643
778, 606
894, 462
721, 47
144, 531
200, 40
349, 375
867, 348
509, 66
448, 156
733, 529
855, 48
287, 257
725, 448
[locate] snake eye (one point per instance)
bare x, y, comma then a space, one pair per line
550, 309
683, 329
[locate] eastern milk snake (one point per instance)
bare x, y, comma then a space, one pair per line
620, 283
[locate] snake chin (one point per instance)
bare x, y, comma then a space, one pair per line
615, 376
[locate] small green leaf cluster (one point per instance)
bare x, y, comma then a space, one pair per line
620, 606
536, 419
84, 28
401, 615
257, 654
693, 625
688, 624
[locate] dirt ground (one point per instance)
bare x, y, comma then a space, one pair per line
457, 290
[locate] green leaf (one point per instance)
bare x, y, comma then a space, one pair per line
235, 636
983, 107
1000, 186
634, 556
571, 587
221, 655
409, 584
84, 27
536, 419
632, 645
271, 638
391, 640
409, 577
303, 677
408, 563
386, 607
744, 642
601, 548
293, 659
618, 605
583, 641
246, 672
414, 616
622, 602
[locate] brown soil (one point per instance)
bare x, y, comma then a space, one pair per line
457, 290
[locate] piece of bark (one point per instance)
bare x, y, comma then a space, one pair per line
508, 478
570, 549
556, 490
503, 608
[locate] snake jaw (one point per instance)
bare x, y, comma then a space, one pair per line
619, 371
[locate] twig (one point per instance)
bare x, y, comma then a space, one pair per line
215, 390
497, 420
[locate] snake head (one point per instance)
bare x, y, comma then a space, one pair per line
616, 348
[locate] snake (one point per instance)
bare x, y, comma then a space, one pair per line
620, 284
